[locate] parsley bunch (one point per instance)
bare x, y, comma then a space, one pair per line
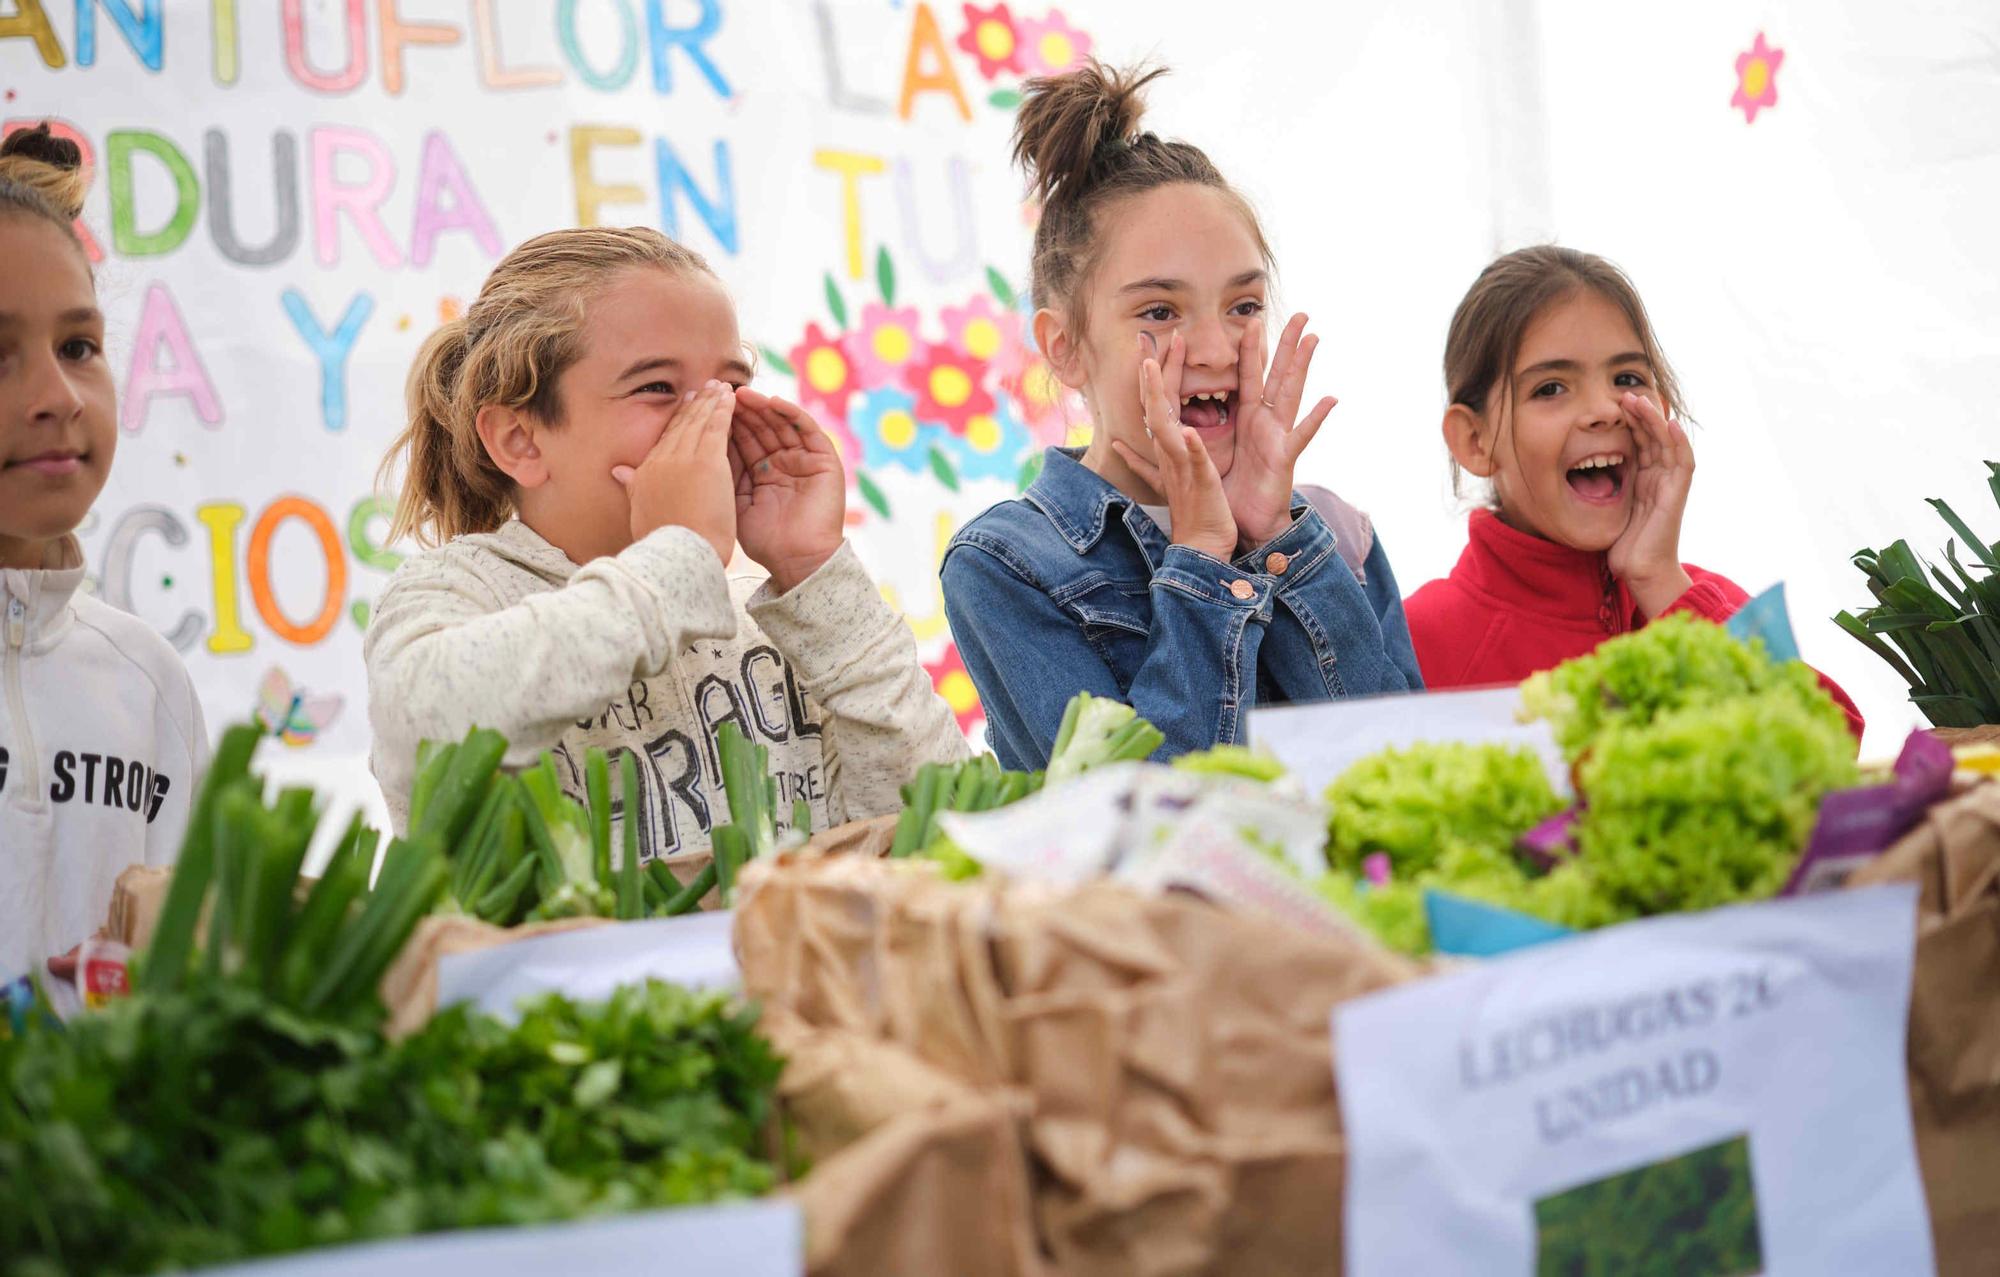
212, 1123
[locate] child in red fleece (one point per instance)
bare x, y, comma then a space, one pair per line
1561, 398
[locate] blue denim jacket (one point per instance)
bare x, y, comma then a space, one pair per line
1072, 587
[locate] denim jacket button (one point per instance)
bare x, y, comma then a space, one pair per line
1243, 589
1276, 562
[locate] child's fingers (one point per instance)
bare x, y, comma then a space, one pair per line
767, 427
811, 433
1683, 445
1165, 424
1291, 389
691, 424
1302, 436
1250, 366
1145, 469
1200, 466
1288, 347
623, 475
1170, 371
711, 444
1153, 406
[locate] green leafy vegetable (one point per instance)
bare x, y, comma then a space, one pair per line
1697, 793
1232, 760
1096, 730
1675, 662
1948, 637
211, 1124
1413, 803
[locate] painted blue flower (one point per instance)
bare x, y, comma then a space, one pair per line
886, 423
994, 444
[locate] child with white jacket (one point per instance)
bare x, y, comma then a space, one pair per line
100, 733
585, 453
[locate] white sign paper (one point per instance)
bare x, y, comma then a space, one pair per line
692, 951
736, 1239
1320, 740
1501, 1111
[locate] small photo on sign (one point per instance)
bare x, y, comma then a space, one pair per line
1694, 1216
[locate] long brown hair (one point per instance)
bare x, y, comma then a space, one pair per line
1077, 138
510, 348
1486, 329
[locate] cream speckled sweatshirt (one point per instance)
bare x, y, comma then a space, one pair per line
650, 650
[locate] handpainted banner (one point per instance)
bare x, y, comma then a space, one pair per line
288, 196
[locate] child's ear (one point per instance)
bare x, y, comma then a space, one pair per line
1060, 347
1470, 440
510, 442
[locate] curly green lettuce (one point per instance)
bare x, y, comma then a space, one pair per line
1677, 662
1414, 803
1392, 912
1710, 804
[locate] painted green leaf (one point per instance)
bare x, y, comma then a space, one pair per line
871, 494
778, 363
941, 467
1001, 289
885, 275
1005, 99
1029, 470
836, 305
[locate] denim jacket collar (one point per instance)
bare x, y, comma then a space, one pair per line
1078, 500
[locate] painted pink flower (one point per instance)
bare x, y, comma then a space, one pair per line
949, 677
1049, 409
1050, 45
884, 344
825, 373
991, 36
1757, 78
948, 387
987, 333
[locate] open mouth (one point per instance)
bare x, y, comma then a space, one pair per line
1600, 479
1209, 411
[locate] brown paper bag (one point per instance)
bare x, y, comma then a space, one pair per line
914, 1172
1960, 736
136, 900
1954, 1036
1174, 1058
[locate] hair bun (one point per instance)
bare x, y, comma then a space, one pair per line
38, 143
1070, 124
50, 166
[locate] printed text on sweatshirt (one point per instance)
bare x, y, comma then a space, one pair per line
101, 740
649, 651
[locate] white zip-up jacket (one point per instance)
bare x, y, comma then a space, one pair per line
101, 743
650, 650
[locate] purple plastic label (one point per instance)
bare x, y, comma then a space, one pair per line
1857, 825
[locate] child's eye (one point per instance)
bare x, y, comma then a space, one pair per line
1548, 390
1630, 379
1157, 314
80, 349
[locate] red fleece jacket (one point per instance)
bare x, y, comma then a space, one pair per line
1516, 604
